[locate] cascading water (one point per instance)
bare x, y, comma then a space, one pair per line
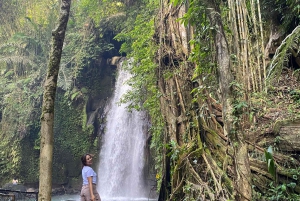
121, 169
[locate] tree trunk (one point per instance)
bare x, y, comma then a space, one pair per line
231, 129
47, 118
208, 155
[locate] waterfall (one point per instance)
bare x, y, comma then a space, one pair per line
121, 163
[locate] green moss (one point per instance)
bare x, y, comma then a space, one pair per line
84, 116
71, 139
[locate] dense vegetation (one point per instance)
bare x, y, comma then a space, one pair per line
25, 35
200, 127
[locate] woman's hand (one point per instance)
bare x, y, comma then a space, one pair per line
91, 188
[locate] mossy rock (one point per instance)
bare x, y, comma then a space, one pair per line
16, 187
288, 122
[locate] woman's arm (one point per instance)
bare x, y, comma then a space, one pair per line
90, 180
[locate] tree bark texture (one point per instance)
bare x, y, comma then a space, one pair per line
210, 156
242, 175
47, 118
188, 123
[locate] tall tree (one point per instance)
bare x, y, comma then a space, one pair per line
231, 127
47, 118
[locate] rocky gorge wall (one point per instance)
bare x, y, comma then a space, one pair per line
77, 130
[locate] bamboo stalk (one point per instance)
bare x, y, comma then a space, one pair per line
262, 45
244, 39
236, 47
246, 42
256, 50
239, 24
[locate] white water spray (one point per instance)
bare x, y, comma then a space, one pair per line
121, 169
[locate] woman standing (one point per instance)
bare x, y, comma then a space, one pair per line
89, 177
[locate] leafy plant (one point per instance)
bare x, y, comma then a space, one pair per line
281, 193
175, 2
270, 162
283, 52
295, 95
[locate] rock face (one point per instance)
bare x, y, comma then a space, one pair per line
114, 60
75, 123
290, 137
289, 133
16, 187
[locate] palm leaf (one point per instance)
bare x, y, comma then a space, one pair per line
282, 54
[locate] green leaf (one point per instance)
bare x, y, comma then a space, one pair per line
283, 187
175, 2
270, 150
74, 95
270, 162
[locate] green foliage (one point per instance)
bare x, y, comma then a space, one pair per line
290, 13
173, 150
9, 162
23, 64
97, 10
188, 190
71, 140
89, 8
270, 162
295, 95
240, 106
175, 2
281, 192
140, 47
22, 68
10, 13
282, 54
29, 158
202, 53
157, 141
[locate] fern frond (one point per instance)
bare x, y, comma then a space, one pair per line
64, 77
283, 52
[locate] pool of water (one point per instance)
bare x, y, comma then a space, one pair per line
65, 198
77, 198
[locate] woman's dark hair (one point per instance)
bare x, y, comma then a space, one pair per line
83, 159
